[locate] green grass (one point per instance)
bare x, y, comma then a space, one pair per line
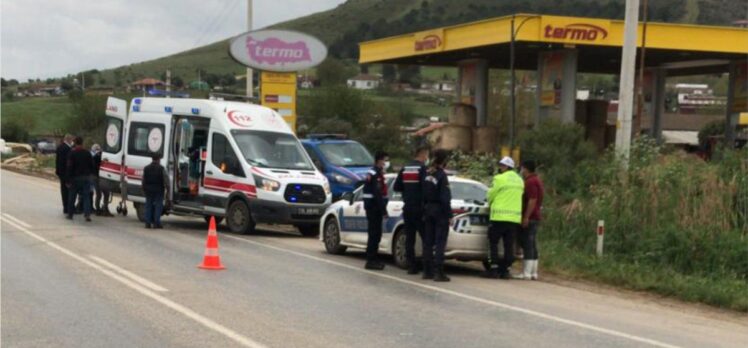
559, 258
48, 115
419, 108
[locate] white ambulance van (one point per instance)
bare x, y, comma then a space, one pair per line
225, 159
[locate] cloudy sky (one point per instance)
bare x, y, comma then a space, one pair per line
52, 38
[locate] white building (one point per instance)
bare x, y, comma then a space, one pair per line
364, 81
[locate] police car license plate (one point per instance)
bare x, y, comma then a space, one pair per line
308, 211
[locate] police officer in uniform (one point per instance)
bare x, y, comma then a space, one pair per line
437, 218
410, 183
375, 204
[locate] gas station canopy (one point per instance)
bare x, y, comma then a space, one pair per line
678, 48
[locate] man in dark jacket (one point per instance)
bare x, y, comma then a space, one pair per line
410, 183
437, 217
80, 169
155, 183
375, 204
61, 162
101, 201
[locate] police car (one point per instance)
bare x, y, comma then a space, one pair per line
344, 224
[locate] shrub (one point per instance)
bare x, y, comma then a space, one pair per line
561, 152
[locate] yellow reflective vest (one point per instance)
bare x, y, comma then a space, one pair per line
505, 197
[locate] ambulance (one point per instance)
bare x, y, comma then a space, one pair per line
231, 160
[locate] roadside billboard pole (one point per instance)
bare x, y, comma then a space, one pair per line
250, 83
626, 87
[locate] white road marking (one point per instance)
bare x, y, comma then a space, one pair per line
16, 220
465, 296
145, 282
242, 340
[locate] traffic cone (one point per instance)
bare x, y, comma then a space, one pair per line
211, 260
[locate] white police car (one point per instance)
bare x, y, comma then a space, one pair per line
344, 223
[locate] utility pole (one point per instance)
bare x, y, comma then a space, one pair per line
513, 86
640, 89
168, 83
628, 70
250, 83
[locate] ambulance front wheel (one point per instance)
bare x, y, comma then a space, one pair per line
239, 219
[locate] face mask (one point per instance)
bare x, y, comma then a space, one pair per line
427, 163
386, 165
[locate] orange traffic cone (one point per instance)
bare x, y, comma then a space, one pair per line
212, 260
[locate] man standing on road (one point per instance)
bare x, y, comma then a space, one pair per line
375, 203
505, 200
155, 183
80, 168
532, 203
437, 218
410, 183
101, 208
61, 162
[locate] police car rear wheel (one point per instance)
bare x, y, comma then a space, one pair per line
238, 218
398, 249
331, 236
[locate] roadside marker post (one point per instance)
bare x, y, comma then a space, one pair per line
600, 237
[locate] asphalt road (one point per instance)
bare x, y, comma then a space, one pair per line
112, 283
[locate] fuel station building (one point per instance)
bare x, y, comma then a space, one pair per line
558, 48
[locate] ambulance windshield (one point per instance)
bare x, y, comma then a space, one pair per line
272, 150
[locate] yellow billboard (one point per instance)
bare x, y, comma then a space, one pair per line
278, 92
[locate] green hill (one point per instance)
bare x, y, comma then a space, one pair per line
343, 27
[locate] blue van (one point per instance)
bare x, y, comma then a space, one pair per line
344, 162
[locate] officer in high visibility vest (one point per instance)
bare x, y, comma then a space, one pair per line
505, 200
375, 204
437, 218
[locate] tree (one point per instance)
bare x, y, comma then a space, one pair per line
333, 72
389, 73
117, 77
410, 74
3, 83
66, 85
13, 82
177, 82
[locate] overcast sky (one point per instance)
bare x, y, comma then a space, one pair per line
52, 38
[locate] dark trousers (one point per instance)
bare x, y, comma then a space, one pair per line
64, 192
413, 219
436, 231
154, 207
501, 230
374, 217
528, 237
101, 193
81, 186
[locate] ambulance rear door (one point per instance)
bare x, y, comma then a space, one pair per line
112, 156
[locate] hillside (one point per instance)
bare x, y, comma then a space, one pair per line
343, 27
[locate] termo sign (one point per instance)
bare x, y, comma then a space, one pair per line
576, 31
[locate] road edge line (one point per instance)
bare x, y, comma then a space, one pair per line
134, 277
466, 296
241, 339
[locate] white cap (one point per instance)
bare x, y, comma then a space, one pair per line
507, 161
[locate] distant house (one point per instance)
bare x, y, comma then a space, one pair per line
42, 90
439, 86
364, 81
146, 84
306, 82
